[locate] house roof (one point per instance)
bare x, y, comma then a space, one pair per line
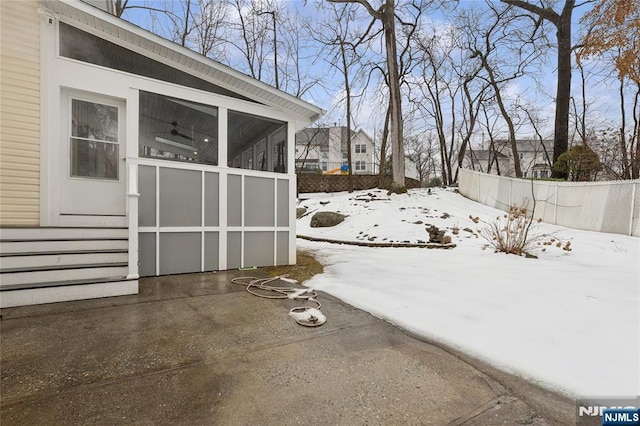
118, 31
528, 145
320, 135
485, 154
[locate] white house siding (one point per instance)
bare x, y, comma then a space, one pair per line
20, 112
360, 138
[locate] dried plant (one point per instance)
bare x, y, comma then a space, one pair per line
512, 233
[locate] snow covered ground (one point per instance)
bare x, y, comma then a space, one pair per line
569, 320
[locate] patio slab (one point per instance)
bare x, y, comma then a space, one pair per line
197, 349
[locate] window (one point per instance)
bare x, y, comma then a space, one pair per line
94, 140
179, 130
345, 158
361, 165
361, 149
324, 166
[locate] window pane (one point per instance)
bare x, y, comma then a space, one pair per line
256, 143
94, 142
93, 159
94, 121
179, 130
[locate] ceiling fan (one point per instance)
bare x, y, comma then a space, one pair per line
176, 132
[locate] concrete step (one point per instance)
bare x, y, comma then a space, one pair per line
57, 246
64, 283
59, 233
9, 261
10, 278
61, 291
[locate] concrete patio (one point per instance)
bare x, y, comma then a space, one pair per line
198, 350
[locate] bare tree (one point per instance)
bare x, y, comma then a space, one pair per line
420, 150
385, 13
436, 89
336, 34
562, 23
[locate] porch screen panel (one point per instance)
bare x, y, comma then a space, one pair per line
234, 200
147, 200
283, 202
180, 252
256, 143
180, 197
211, 199
175, 129
282, 248
234, 250
211, 251
82, 46
147, 254
258, 248
259, 201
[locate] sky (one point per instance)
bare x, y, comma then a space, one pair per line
568, 320
369, 110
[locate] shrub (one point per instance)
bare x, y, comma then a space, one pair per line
579, 163
512, 233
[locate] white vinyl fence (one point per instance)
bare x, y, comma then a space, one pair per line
612, 206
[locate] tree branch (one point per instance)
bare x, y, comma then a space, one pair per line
545, 13
375, 13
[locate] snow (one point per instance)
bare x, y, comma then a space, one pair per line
568, 320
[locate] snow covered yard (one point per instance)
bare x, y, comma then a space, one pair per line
569, 320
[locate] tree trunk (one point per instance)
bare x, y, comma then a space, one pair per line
563, 91
383, 149
395, 101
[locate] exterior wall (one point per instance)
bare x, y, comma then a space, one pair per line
334, 154
593, 206
20, 112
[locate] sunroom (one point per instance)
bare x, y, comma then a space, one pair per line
188, 160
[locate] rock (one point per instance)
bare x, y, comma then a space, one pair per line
437, 236
300, 211
326, 219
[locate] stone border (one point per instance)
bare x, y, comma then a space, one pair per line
372, 244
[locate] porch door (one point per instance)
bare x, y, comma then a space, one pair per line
92, 190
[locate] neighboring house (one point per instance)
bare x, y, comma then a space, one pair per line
126, 155
487, 161
535, 158
325, 149
410, 169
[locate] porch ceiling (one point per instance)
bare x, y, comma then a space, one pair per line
148, 44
